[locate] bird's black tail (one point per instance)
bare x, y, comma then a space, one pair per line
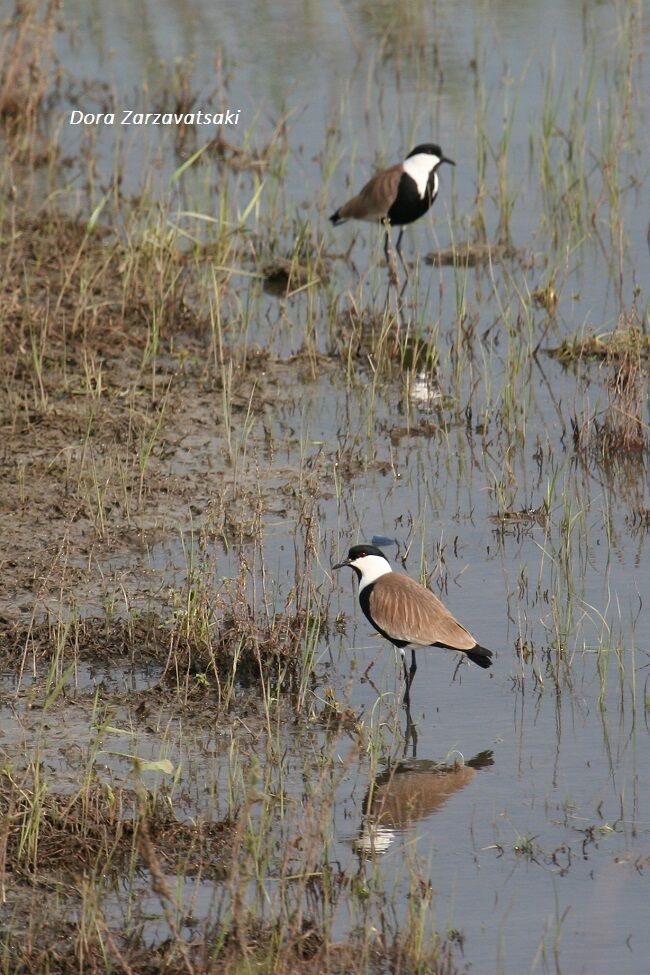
336, 218
480, 656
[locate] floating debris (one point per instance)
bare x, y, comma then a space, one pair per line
469, 254
525, 516
547, 298
614, 344
284, 277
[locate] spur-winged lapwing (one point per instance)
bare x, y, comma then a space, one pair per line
407, 613
399, 195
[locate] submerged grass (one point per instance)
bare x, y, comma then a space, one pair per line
134, 878
110, 376
623, 427
621, 343
29, 77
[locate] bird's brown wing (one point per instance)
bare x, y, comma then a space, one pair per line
376, 198
407, 611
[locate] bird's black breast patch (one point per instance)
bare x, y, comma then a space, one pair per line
409, 205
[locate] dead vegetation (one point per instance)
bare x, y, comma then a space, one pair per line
250, 947
114, 401
474, 253
623, 427
626, 341
64, 856
29, 77
45, 834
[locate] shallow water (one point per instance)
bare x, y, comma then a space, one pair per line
385, 83
541, 858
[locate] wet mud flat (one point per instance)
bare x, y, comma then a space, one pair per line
152, 678
196, 774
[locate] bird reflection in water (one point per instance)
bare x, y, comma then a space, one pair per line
408, 792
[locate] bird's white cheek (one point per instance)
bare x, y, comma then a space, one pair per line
418, 168
372, 567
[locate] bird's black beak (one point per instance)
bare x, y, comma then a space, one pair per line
341, 564
450, 161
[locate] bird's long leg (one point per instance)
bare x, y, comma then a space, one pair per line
409, 674
386, 255
393, 278
407, 683
389, 253
413, 667
410, 735
398, 248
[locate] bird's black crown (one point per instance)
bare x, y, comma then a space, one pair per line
358, 552
429, 148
